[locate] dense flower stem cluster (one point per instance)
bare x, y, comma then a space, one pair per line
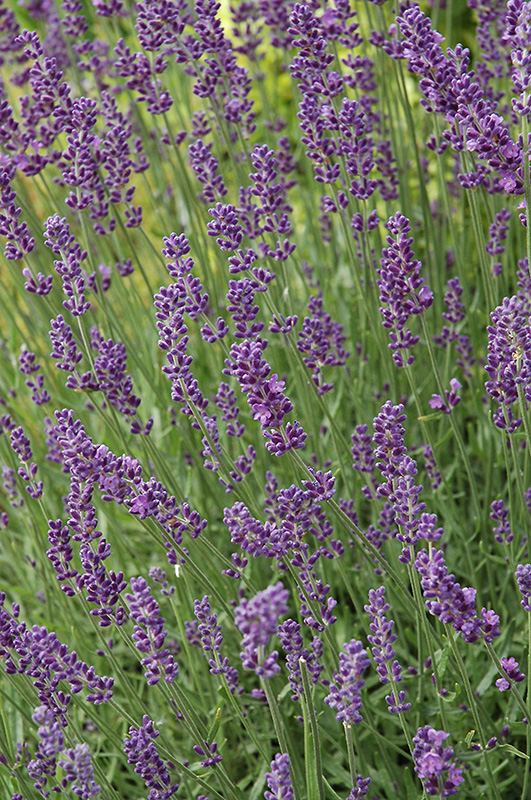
272, 137
39, 654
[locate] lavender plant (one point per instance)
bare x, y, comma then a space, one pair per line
265, 388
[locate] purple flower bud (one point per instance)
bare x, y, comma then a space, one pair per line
452, 399
212, 757
513, 673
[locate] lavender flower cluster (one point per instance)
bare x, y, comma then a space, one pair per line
254, 327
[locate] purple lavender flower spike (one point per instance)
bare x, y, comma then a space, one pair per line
406, 505
257, 620
454, 314
240, 305
452, 90
61, 554
523, 578
65, 350
149, 633
279, 779
402, 290
382, 639
20, 444
389, 443
76, 764
142, 752
513, 673
205, 167
433, 763
430, 465
445, 598
211, 639
497, 235
226, 401
158, 575
39, 654
225, 226
517, 36
183, 296
110, 374
51, 742
508, 359
321, 343
289, 633
50, 731
363, 458
102, 587
345, 693
19, 241
265, 396
500, 515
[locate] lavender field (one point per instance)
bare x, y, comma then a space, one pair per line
265, 393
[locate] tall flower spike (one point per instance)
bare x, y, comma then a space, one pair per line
446, 600
76, 764
402, 291
268, 403
149, 633
454, 313
257, 620
389, 445
321, 343
19, 242
142, 752
27, 366
345, 693
500, 515
289, 633
211, 638
497, 235
382, 639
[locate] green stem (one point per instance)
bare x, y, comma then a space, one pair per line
310, 717
279, 730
